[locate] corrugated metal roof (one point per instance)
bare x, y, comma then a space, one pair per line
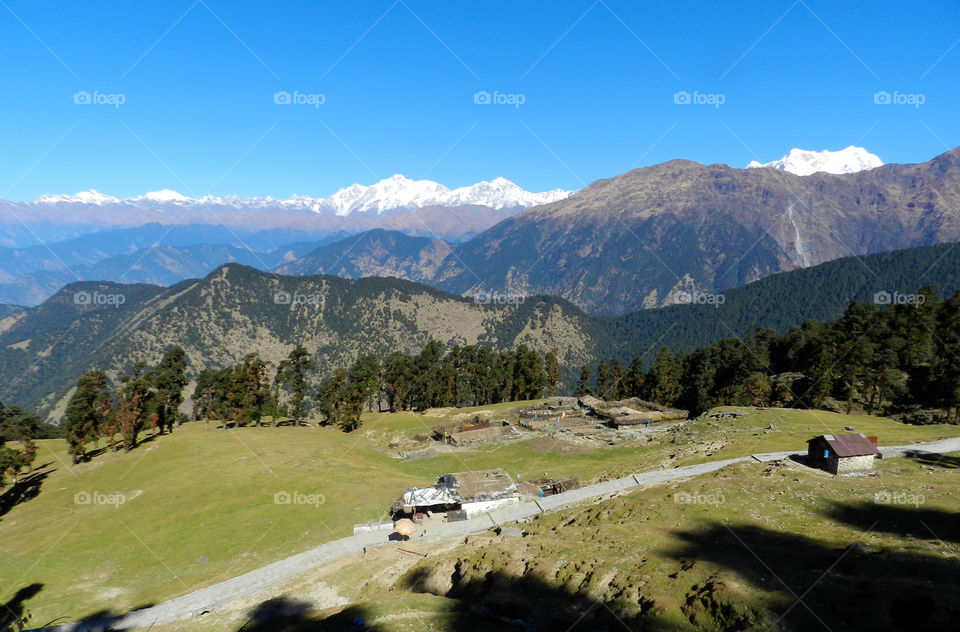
844, 445
430, 496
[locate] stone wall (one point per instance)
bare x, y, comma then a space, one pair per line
856, 464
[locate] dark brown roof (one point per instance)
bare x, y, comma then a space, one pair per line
844, 445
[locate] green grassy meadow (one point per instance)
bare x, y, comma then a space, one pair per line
198, 505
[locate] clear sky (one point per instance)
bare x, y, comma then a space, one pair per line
597, 79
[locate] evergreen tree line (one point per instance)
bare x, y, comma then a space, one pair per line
896, 359
462, 376
147, 398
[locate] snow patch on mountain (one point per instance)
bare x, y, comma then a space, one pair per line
803, 162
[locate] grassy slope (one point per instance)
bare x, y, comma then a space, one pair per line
712, 566
209, 494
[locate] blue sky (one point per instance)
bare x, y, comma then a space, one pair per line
398, 79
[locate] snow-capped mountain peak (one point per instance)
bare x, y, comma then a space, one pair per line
163, 195
84, 197
396, 193
804, 162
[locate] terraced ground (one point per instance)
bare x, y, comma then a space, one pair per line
199, 508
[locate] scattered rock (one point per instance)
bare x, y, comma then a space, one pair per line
511, 532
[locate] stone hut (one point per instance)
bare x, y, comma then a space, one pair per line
843, 453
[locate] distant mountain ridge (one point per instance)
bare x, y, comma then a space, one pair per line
391, 194
374, 253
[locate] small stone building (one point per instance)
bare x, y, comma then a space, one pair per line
843, 453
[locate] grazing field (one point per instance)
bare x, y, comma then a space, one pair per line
726, 551
199, 506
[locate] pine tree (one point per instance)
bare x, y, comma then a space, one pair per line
552, 363
86, 414
136, 407
633, 380
583, 385
292, 373
616, 380
947, 370
169, 379
255, 393
603, 380
340, 402
396, 380
364, 376
662, 384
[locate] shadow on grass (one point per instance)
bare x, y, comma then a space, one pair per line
13, 614
945, 461
497, 603
279, 615
899, 519
27, 488
812, 585
105, 620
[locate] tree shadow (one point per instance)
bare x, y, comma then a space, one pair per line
279, 614
496, 603
13, 613
810, 585
103, 620
945, 461
899, 519
27, 488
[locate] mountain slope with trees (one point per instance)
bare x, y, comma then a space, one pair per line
635, 240
236, 311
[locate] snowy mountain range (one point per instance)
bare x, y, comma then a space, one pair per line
803, 162
392, 194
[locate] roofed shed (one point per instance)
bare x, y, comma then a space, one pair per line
843, 453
